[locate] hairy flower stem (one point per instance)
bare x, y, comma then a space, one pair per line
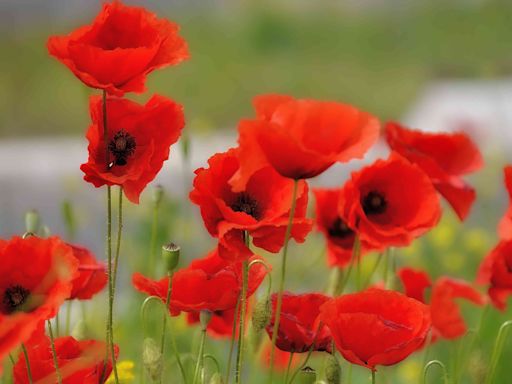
233, 336
373, 377
430, 364
118, 240
27, 362
199, 362
243, 303
283, 276
290, 359
164, 322
54, 353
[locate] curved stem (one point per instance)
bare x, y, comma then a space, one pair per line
310, 352
54, 353
233, 336
27, 362
496, 353
212, 358
290, 359
432, 363
118, 240
199, 362
269, 275
283, 276
243, 303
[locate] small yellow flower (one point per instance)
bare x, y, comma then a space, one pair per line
124, 372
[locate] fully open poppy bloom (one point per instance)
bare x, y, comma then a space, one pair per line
208, 284
91, 278
505, 226
301, 138
120, 47
262, 208
299, 328
496, 270
444, 157
376, 327
79, 362
35, 279
340, 238
139, 137
390, 202
447, 320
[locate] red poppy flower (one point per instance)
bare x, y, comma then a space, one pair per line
340, 238
208, 284
302, 138
139, 137
447, 320
91, 278
298, 327
262, 208
120, 47
505, 226
444, 157
390, 202
496, 270
376, 327
79, 362
35, 279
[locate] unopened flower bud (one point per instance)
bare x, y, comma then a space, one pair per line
332, 370
152, 358
261, 314
216, 378
158, 195
307, 375
171, 256
32, 221
204, 318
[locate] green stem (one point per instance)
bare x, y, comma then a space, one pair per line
164, 318
233, 336
68, 316
54, 353
243, 303
374, 269
430, 364
373, 376
355, 258
152, 244
283, 276
27, 362
57, 324
118, 240
496, 353
199, 361
290, 359
310, 352
387, 256
475, 338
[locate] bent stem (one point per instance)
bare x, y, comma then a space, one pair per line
54, 353
283, 275
496, 353
233, 336
430, 364
27, 362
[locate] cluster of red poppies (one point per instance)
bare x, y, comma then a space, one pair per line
252, 198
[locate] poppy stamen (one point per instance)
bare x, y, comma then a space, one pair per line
122, 146
374, 203
15, 297
245, 203
340, 229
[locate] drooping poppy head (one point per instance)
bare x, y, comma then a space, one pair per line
447, 320
444, 157
78, 361
261, 209
139, 139
92, 277
35, 279
301, 138
496, 271
209, 284
299, 328
390, 203
505, 226
376, 327
120, 47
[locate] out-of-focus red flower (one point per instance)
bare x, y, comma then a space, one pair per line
35, 279
79, 362
139, 138
301, 138
262, 208
376, 327
120, 47
496, 270
209, 284
444, 157
340, 238
389, 203
299, 328
91, 278
447, 320
505, 226
281, 358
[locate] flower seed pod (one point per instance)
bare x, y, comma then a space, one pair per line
152, 358
171, 256
332, 370
261, 314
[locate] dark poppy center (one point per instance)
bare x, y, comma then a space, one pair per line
340, 229
245, 203
374, 203
121, 147
15, 297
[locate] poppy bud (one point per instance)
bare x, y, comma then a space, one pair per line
171, 256
332, 370
261, 314
204, 318
152, 358
216, 378
32, 221
307, 375
158, 195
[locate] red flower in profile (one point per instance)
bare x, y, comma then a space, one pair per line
208, 284
389, 203
91, 278
79, 362
444, 157
35, 279
340, 238
301, 138
505, 226
299, 328
496, 270
447, 320
376, 327
139, 137
262, 208
120, 47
